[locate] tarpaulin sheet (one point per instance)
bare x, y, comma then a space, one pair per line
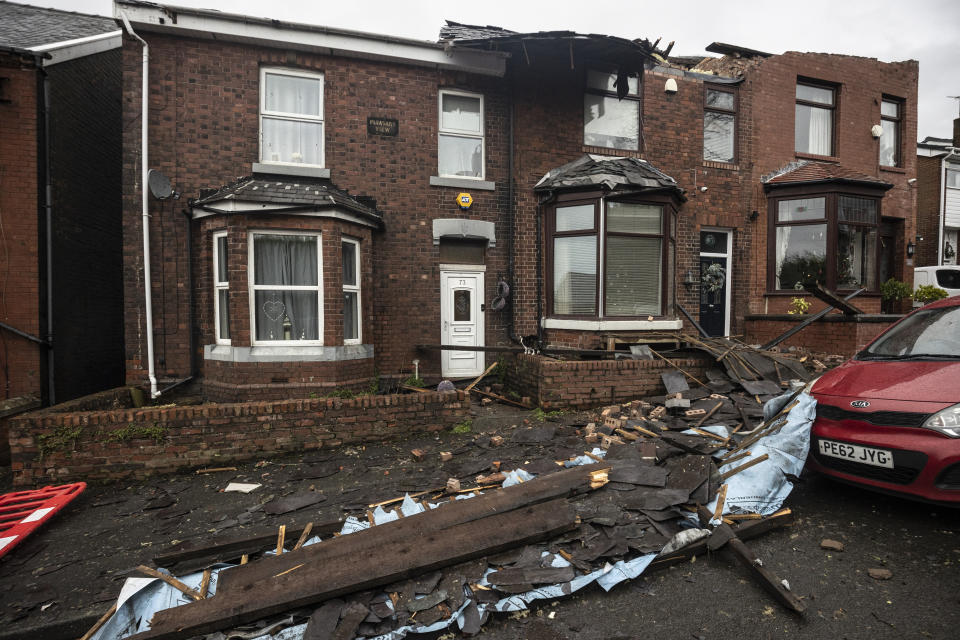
760, 489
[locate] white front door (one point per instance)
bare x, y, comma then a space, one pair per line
461, 322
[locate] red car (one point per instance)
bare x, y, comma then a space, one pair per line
889, 418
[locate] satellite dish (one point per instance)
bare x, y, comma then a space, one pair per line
159, 185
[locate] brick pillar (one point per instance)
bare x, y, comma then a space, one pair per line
956, 132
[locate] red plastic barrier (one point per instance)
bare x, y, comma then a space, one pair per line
22, 512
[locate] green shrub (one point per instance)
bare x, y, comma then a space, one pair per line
798, 307
893, 290
464, 426
927, 293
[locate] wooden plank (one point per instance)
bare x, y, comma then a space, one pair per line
531, 575
736, 470
822, 293
204, 552
767, 579
304, 536
170, 580
500, 398
708, 414
481, 376
99, 623
395, 560
561, 484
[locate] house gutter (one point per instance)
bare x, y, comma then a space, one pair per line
43, 83
144, 204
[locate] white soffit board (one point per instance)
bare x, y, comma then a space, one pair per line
312, 38
80, 47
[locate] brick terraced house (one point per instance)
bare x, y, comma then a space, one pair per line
61, 310
348, 196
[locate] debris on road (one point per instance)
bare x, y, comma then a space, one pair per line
880, 574
831, 545
456, 554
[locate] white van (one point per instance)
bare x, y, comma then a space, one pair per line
947, 277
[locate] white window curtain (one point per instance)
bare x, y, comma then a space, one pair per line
291, 118
286, 287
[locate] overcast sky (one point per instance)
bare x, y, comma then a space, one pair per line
891, 30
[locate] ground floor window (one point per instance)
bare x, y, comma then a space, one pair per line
286, 288
351, 291
607, 258
831, 239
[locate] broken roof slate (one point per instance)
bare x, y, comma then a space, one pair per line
307, 192
24, 26
809, 171
613, 173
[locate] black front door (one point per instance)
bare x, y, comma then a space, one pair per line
713, 294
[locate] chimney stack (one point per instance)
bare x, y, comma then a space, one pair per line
956, 132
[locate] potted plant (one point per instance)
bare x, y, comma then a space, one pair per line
894, 293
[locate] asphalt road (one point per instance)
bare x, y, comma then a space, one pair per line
62, 578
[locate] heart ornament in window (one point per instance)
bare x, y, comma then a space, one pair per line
274, 309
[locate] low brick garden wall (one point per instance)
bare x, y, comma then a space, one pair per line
833, 334
95, 441
583, 384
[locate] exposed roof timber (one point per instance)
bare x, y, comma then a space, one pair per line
57, 52
215, 25
731, 49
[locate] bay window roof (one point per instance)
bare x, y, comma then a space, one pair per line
624, 175
264, 194
805, 172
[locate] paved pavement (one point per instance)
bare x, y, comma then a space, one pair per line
62, 578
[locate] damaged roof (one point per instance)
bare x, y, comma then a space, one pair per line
615, 174
313, 193
24, 26
812, 172
476, 36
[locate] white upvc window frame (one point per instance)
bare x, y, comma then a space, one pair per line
253, 288
218, 286
461, 133
354, 289
294, 117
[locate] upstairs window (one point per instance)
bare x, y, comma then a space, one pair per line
291, 117
221, 288
286, 288
460, 145
890, 118
813, 131
611, 110
953, 178
719, 125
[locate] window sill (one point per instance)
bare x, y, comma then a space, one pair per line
804, 294
612, 325
291, 170
813, 156
893, 169
227, 353
462, 183
713, 164
612, 153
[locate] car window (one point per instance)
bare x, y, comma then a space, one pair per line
928, 332
948, 278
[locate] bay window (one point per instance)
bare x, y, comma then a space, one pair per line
351, 291
607, 259
611, 110
286, 288
460, 145
813, 132
825, 238
291, 117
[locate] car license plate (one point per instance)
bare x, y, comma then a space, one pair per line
856, 453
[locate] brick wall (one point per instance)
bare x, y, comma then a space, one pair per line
21, 371
137, 443
584, 384
833, 334
928, 210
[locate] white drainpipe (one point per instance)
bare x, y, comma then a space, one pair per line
144, 204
